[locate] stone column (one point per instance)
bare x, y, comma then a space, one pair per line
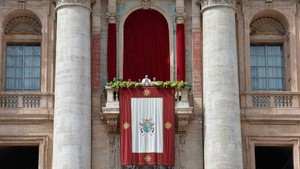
72, 116
222, 128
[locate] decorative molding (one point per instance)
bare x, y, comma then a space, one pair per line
86, 3
146, 4
183, 122
22, 4
209, 3
23, 25
180, 15
30, 140
180, 18
111, 17
112, 11
266, 26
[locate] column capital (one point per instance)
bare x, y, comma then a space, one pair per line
85, 3
111, 14
180, 12
111, 17
180, 18
209, 3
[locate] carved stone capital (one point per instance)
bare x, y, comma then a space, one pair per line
180, 18
85, 3
210, 3
111, 17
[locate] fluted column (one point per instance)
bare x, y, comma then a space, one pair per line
72, 116
222, 130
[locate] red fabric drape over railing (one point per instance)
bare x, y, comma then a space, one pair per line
111, 52
180, 52
167, 157
146, 46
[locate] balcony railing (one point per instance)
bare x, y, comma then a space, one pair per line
270, 99
281, 107
111, 110
15, 105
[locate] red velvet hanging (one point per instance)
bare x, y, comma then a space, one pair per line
180, 52
146, 46
111, 52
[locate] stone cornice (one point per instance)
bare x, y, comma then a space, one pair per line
85, 3
210, 3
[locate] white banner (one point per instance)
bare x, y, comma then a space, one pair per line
147, 125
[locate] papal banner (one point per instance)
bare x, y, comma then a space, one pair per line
147, 126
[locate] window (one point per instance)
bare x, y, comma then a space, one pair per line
23, 63
15, 157
267, 157
267, 68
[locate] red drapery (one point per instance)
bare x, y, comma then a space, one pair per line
127, 157
180, 52
111, 52
146, 46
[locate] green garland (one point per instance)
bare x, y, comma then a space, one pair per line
160, 84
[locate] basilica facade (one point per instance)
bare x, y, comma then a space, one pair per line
239, 56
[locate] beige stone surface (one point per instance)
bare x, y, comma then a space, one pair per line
272, 125
72, 117
222, 132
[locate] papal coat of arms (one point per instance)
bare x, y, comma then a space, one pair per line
147, 126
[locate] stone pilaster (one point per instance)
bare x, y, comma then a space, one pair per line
222, 130
72, 117
197, 50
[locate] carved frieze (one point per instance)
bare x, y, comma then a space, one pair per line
208, 3
86, 3
267, 26
23, 25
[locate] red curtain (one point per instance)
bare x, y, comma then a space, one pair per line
168, 156
146, 46
111, 52
180, 52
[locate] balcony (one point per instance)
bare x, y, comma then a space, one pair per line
270, 106
15, 106
183, 111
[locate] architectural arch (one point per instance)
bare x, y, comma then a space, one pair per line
272, 14
269, 51
120, 59
22, 22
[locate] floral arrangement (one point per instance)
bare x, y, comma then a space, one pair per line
161, 84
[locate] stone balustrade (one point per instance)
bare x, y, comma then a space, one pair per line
111, 110
26, 106
275, 107
270, 99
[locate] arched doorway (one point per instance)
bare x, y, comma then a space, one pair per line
146, 46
